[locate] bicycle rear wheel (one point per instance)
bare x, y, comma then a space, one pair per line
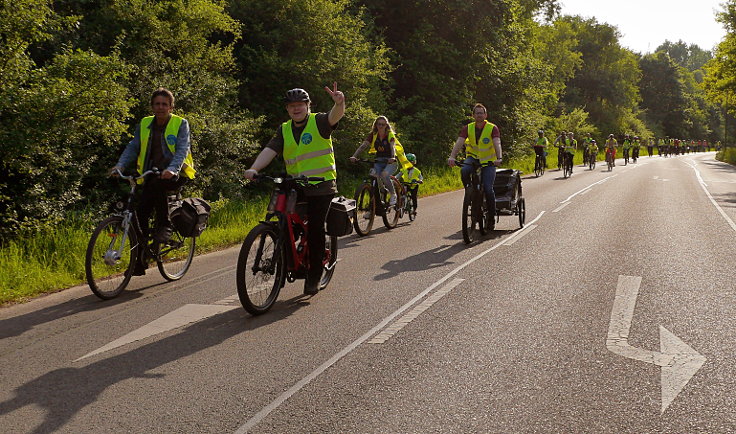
538, 167
330, 261
109, 261
259, 274
174, 257
365, 209
393, 212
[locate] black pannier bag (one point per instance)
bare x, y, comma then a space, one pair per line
506, 189
190, 216
340, 217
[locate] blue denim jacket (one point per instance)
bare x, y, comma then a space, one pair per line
130, 154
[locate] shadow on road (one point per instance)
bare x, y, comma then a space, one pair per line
18, 325
62, 393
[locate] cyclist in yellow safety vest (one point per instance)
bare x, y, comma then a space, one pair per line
160, 141
411, 176
387, 150
571, 145
305, 141
482, 142
540, 147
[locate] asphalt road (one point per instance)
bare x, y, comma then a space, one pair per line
612, 311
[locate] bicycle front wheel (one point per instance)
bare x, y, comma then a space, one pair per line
110, 258
365, 210
330, 261
393, 212
174, 257
260, 270
469, 223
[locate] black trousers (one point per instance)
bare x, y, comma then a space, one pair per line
317, 207
153, 198
413, 194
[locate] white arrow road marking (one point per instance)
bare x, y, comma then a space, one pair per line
679, 362
186, 314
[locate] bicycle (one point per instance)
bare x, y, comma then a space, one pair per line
609, 160
626, 156
634, 154
592, 157
475, 215
408, 208
567, 165
115, 245
372, 198
276, 251
539, 165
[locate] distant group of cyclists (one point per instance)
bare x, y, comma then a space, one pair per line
630, 145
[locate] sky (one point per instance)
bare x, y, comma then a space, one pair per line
646, 24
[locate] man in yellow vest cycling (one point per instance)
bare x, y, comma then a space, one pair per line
482, 142
160, 141
305, 141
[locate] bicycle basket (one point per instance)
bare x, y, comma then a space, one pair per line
190, 216
340, 217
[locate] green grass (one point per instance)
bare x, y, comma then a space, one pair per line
53, 260
727, 155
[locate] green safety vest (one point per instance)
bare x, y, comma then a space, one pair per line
170, 134
627, 144
312, 156
570, 145
391, 135
542, 142
485, 154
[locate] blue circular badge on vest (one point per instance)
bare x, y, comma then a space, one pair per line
306, 138
486, 140
171, 139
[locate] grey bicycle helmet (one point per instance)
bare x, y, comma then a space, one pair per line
296, 95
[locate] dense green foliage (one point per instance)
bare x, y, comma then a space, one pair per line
76, 75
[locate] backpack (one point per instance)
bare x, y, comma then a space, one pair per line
190, 216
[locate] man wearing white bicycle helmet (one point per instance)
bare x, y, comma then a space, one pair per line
305, 141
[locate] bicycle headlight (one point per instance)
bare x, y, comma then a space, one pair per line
120, 205
278, 180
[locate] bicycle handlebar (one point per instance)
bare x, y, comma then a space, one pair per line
133, 178
287, 178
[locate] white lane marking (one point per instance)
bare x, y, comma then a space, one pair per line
186, 314
524, 231
559, 208
400, 323
276, 403
679, 361
591, 185
707, 193
585, 192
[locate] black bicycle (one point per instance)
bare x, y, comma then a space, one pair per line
626, 156
372, 198
567, 165
592, 157
476, 218
409, 209
539, 163
116, 243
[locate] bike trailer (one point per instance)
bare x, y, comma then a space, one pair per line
340, 217
190, 216
507, 187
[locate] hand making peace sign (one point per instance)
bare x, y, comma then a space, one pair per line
337, 96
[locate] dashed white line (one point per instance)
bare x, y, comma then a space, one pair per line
525, 231
559, 208
414, 313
